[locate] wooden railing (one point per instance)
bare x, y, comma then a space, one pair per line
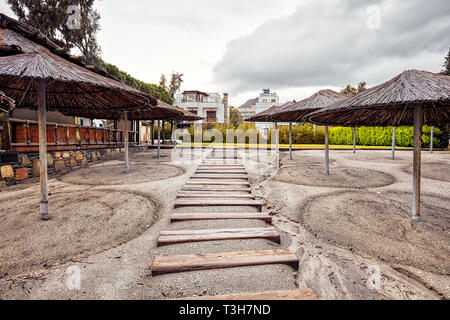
22, 136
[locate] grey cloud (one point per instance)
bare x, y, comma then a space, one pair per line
327, 43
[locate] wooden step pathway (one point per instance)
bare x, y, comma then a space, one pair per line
223, 182
179, 236
182, 263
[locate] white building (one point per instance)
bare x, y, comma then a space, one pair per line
266, 100
210, 106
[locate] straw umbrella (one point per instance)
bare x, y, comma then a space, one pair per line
412, 98
298, 112
40, 75
161, 111
266, 116
6, 104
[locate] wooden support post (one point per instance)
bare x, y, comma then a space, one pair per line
125, 119
159, 139
418, 122
354, 139
67, 134
42, 117
56, 134
27, 133
431, 139
327, 159
290, 140
393, 143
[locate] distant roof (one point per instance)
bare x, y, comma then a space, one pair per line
195, 91
249, 103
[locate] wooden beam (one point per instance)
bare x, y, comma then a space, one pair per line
182, 263
180, 236
218, 203
220, 216
296, 294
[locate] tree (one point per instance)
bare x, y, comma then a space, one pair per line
235, 117
175, 83
152, 89
354, 91
446, 70
163, 81
72, 24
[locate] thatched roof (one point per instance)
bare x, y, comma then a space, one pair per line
297, 111
266, 115
392, 103
6, 104
26, 55
162, 112
186, 115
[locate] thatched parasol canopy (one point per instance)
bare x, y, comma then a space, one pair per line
6, 104
27, 55
296, 111
266, 115
392, 103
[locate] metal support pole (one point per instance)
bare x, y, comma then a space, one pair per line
125, 119
393, 143
290, 140
327, 159
159, 139
175, 135
431, 139
152, 133
277, 137
418, 122
163, 132
354, 140
42, 117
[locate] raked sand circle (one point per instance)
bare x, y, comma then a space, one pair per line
115, 174
340, 177
379, 224
81, 223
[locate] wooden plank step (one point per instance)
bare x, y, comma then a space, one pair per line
219, 176
193, 216
227, 168
185, 195
218, 203
216, 189
232, 166
182, 263
238, 172
217, 183
180, 236
296, 294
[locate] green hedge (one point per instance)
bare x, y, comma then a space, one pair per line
382, 136
306, 133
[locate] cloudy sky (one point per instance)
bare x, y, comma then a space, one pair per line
294, 47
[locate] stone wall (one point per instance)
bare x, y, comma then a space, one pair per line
59, 162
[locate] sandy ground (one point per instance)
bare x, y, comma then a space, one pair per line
109, 231
341, 234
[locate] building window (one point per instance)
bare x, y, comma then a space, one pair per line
211, 116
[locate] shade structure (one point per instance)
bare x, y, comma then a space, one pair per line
266, 115
412, 98
38, 74
6, 103
296, 111
185, 115
392, 103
